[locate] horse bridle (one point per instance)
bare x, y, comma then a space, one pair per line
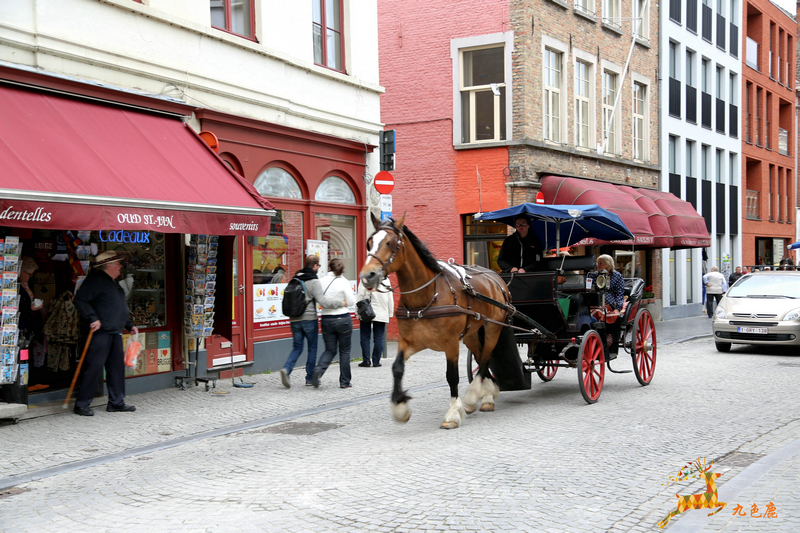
397, 233
384, 266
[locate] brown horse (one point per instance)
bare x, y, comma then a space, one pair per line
435, 311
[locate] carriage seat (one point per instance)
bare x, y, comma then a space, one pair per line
634, 287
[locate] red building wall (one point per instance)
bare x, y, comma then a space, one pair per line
434, 183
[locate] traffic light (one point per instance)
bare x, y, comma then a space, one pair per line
387, 149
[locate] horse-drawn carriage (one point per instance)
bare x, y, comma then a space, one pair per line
549, 312
565, 335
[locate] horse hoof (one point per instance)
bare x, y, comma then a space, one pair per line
449, 425
401, 412
486, 407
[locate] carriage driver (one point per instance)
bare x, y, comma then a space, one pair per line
522, 250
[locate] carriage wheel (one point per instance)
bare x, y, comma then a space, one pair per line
548, 370
643, 347
591, 366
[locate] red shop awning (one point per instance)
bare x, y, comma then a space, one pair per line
73, 164
560, 190
657, 219
687, 226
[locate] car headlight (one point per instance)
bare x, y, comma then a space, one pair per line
794, 314
721, 314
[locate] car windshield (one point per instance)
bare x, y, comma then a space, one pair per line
766, 287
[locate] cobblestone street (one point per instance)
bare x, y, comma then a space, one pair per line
302, 459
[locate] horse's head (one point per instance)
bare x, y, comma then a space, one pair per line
383, 250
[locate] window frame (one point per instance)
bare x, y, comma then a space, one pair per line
643, 82
553, 132
467, 44
616, 71
644, 27
612, 13
229, 20
562, 49
585, 58
324, 26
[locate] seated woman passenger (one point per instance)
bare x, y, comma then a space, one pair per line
616, 286
521, 251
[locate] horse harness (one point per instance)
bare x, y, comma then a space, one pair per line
442, 311
454, 309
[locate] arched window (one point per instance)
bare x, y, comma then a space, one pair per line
276, 182
335, 190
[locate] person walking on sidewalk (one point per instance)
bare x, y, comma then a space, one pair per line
716, 286
337, 328
306, 326
383, 304
101, 301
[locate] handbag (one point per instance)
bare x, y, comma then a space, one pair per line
364, 310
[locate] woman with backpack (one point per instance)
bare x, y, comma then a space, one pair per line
337, 327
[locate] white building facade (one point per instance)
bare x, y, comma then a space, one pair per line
287, 90
700, 138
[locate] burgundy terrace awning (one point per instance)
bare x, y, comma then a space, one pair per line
73, 164
657, 219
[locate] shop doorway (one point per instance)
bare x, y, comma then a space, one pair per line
218, 347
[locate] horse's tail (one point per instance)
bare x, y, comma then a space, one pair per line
506, 365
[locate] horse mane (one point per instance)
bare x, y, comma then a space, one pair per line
422, 251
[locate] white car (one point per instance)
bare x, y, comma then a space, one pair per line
760, 308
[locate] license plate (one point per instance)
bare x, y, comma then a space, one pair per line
752, 330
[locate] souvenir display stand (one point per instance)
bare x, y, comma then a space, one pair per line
14, 358
198, 324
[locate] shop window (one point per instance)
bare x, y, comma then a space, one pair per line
339, 231
276, 182
335, 190
282, 248
482, 242
62, 260
632, 264
276, 258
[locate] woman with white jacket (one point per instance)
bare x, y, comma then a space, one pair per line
337, 328
383, 304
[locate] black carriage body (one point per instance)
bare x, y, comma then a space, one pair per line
559, 303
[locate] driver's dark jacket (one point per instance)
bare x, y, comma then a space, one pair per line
520, 253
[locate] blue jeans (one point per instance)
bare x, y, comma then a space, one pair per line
308, 330
377, 330
336, 331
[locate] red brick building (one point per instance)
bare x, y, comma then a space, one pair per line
770, 136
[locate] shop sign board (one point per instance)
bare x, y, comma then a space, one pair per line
320, 249
267, 300
115, 220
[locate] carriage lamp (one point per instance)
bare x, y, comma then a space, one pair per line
602, 280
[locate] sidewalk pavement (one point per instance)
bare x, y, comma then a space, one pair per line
171, 417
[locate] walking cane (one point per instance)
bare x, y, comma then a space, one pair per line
78, 370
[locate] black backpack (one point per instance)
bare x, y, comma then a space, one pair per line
295, 300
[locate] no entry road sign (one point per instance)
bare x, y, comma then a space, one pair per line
384, 182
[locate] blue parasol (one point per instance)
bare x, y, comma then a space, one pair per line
794, 245
564, 224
